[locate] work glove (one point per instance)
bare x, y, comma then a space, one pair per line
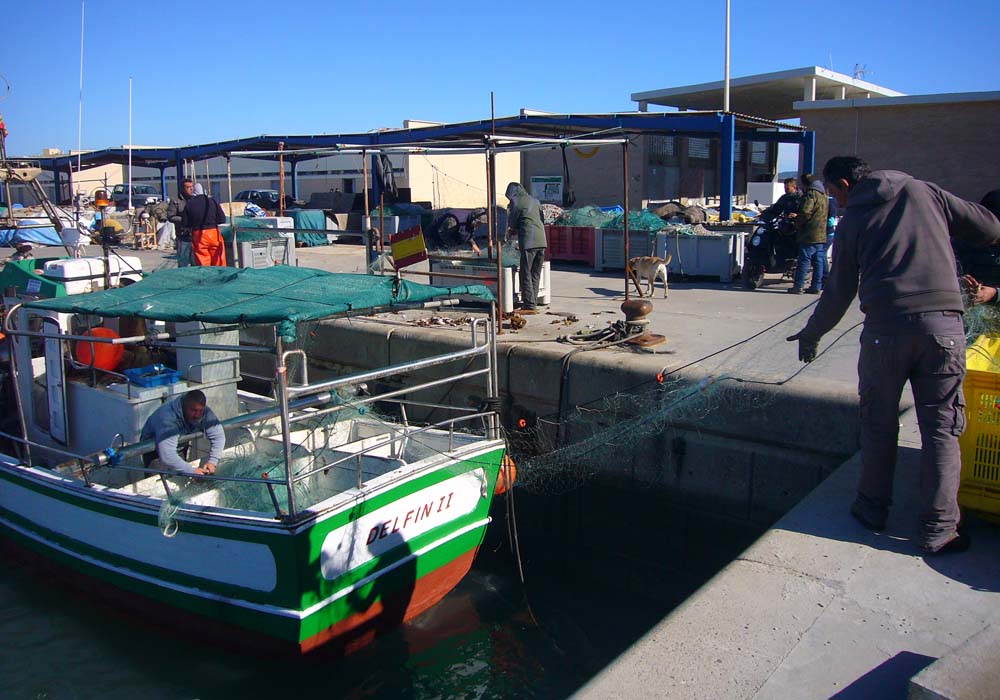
807, 346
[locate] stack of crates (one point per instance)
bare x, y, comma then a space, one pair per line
980, 487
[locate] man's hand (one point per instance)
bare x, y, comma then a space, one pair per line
208, 469
975, 291
807, 346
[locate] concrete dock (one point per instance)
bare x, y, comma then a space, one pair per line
818, 607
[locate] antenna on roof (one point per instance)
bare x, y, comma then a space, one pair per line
860, 71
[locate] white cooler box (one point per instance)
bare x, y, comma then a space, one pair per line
511, 280
83, 275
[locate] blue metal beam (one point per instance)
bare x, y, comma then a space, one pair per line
809, 153
179, 170
773, 136
727, 135
163, 182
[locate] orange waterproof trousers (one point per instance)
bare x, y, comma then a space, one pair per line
208, 248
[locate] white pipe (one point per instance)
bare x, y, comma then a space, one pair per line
79, 120
725, 91
130, 205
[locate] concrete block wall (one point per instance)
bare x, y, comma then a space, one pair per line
949, 144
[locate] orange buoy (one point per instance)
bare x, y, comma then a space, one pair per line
104, 356
507, 476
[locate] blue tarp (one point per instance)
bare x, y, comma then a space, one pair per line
45, 235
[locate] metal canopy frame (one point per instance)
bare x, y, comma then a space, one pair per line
548, 129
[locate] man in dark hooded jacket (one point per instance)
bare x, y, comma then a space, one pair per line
893, 237
524, 217
810, 234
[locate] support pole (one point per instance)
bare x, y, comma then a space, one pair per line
809, 152
281, 384
163, 182
295, 179
281, 180
491, 199
232, 219
726, 136
625, 220
179, 172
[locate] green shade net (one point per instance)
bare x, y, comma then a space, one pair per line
279, 295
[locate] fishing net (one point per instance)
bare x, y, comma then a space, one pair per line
637, 221
590, 216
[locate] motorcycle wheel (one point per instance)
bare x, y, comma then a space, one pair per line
753, 275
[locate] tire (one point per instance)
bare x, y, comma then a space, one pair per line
753, 276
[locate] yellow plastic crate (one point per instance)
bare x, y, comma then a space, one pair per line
980, 443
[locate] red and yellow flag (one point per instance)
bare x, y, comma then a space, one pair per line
3, 127
408, 247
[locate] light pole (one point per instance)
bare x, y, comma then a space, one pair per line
725, 89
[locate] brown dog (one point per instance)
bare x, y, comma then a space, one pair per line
649, 267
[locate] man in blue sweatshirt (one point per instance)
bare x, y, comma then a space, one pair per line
182, 416
894, 253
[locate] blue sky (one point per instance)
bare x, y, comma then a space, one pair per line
213, 70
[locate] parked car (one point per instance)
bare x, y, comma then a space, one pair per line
265, 199
141, 195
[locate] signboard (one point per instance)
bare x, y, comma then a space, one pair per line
547, 188
408, 247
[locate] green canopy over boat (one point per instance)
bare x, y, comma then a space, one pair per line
279, 295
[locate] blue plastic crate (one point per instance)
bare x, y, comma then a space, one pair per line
152, 375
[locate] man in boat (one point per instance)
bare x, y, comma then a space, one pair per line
175, 212
524, 217
184, 415
203, 216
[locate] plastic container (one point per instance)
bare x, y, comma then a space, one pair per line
152, 375
570, 243
980, 443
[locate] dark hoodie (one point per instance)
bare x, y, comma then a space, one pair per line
894, 236
524, 217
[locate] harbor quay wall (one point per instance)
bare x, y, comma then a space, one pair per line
685, 497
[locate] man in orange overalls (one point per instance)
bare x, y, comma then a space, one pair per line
203, 215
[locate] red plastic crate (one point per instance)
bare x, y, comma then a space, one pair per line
570, 244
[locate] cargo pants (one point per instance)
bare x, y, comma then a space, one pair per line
928, 349
530, 273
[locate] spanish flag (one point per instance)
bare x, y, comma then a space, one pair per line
3, 127
408, 247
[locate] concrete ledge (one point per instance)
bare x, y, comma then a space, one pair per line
970, 672
819, 607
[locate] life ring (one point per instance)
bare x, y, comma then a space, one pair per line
583, 153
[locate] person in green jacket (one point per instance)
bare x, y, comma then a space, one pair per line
810, 233
524, 217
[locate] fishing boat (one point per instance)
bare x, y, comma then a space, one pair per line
334, 513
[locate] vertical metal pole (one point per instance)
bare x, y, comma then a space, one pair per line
6, 180
809, 152
490, 195
494, 375
500, 280
295, 179
281, 384
725, 91
727, 137
179, 172
625, 220
281, 181
364, 170
163, 182
131, 206
232, 219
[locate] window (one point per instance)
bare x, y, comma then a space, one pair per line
661, 149
700, 148
758, 153
738, 152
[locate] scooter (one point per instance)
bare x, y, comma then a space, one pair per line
770, 248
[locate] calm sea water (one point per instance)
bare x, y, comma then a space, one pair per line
481, 641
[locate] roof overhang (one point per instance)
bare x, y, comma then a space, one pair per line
949, 98
550, 129
770, 95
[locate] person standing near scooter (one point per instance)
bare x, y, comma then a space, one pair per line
810, 234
